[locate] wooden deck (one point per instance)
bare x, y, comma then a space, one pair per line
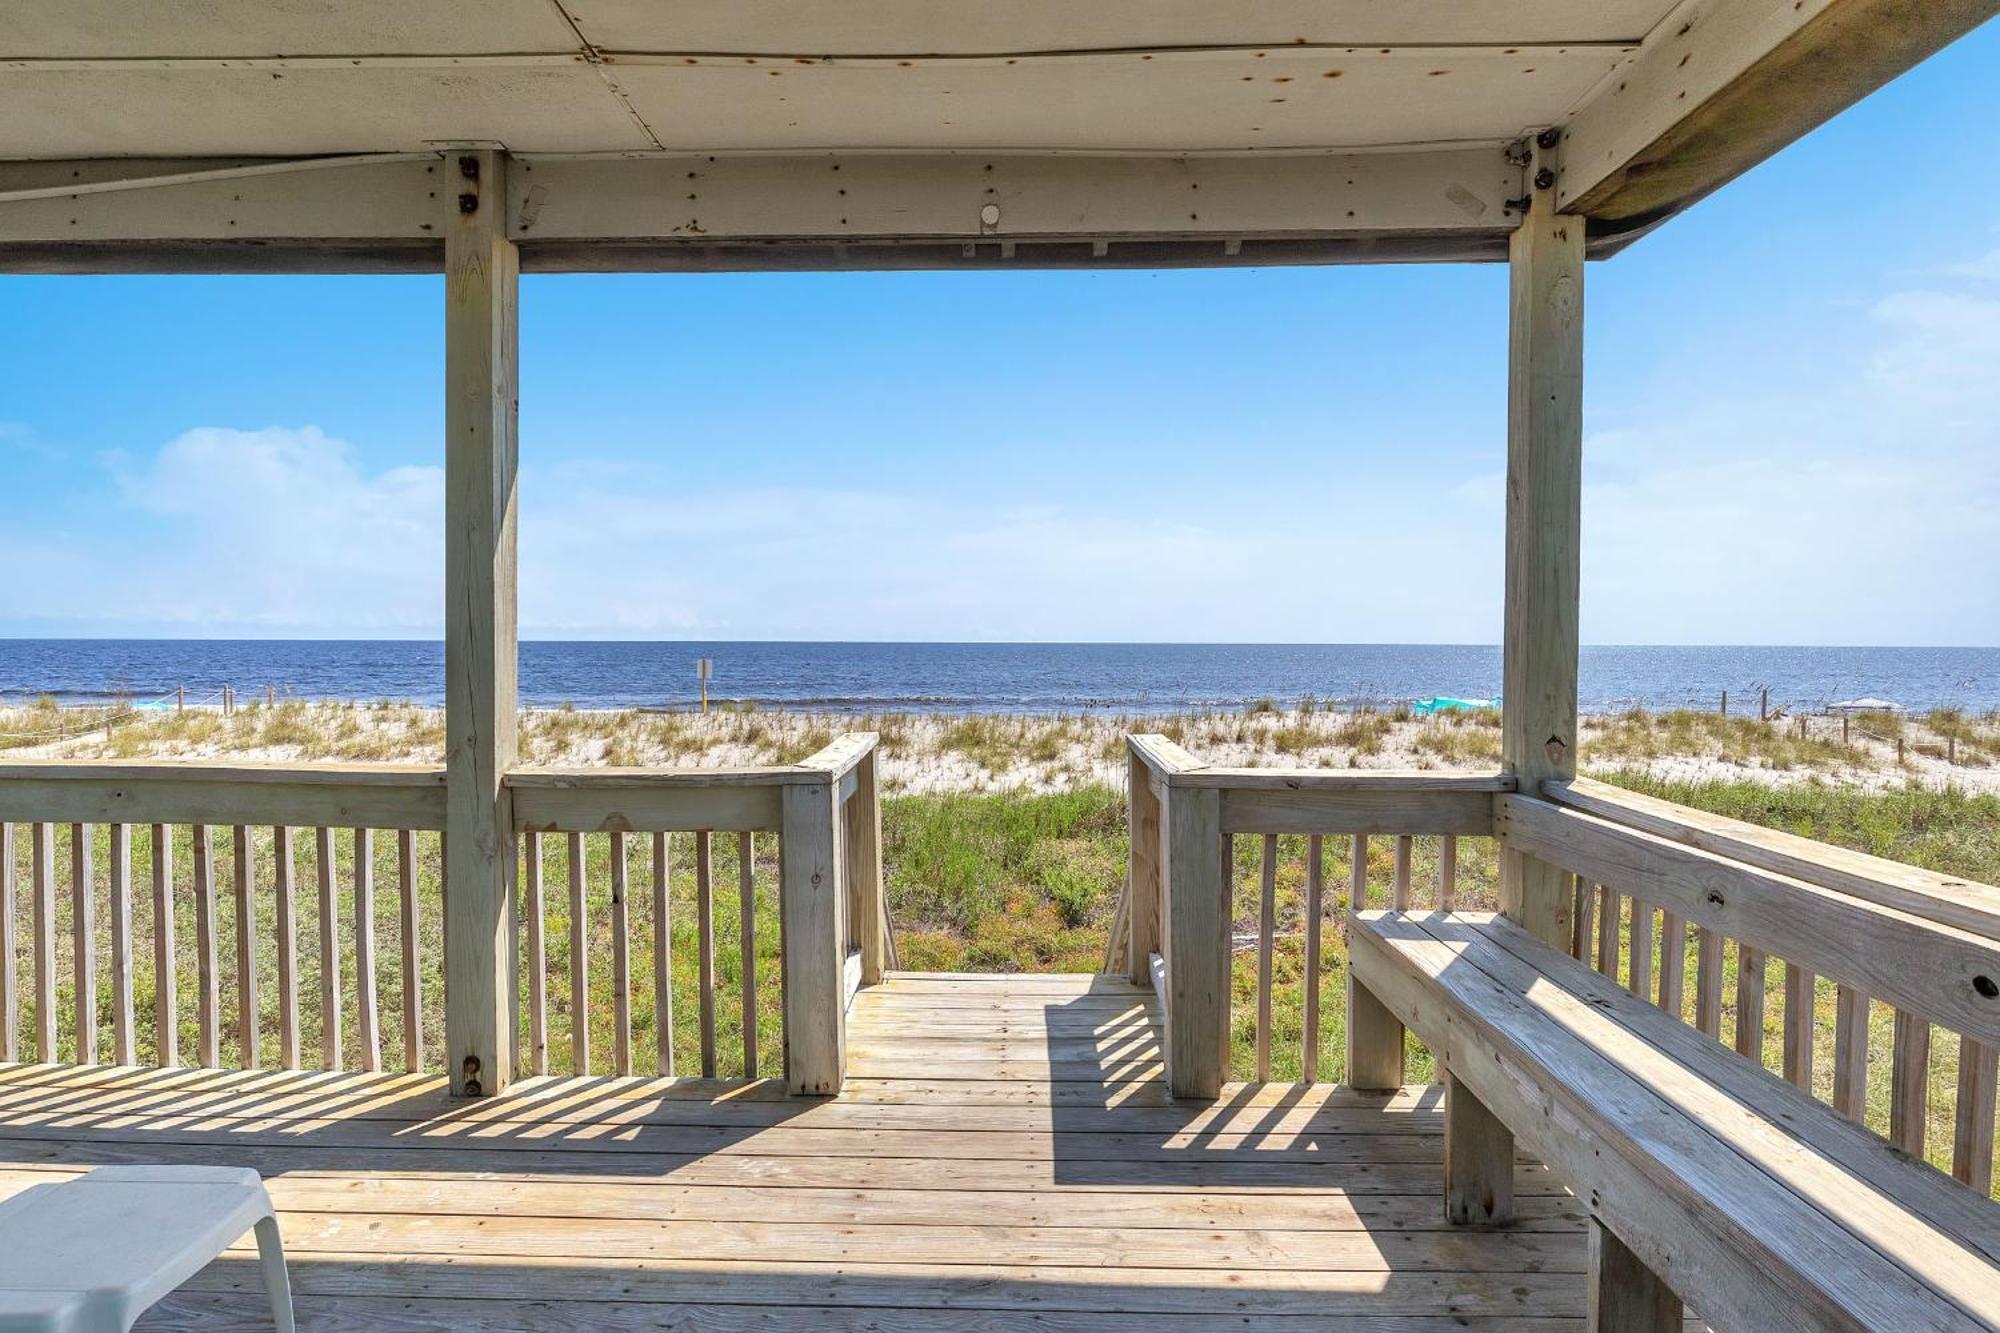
1004, 1156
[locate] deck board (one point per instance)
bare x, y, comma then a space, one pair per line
1014, 1163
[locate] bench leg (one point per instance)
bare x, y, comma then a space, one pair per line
1374, 1041
1625, 1295
271, 1262
1478, 1160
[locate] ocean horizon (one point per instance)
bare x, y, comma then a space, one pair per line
990, 677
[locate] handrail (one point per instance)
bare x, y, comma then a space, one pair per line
389, 796
1946, 899
1914, 963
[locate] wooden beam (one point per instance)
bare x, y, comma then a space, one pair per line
189, 792
1724, 84
377, 212
482, 274
1544, 502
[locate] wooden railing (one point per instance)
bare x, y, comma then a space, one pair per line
1179, 907
1647, 872
187, 828
78, 836
1663, 897
825, 813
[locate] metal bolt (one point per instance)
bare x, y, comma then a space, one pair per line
1544, 179
468, 203
472, 1087
1549, 137
468, 166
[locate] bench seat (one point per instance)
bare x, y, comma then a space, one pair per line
1723, 1184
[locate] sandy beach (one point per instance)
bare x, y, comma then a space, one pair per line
935, 753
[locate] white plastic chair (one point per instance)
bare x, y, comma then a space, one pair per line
91, 1255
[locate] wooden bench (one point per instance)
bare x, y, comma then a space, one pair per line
1707, 1178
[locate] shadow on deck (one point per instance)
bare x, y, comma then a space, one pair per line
1005, 1155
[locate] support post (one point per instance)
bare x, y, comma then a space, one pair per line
1374, 1040
482, 278
1544, 500
1198, 916
864, 865
1142, 933
1478, 1160
1626, 1296
809, 905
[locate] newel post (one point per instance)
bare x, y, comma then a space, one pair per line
863, 835
482, 277
1142, 934
812, 907
1544, 504
1198, 938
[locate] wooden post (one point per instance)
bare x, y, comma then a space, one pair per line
1198, 915
702, 667
1478, 1160
809, 897
1544, 500
864, 866
1374, 1041
482, 278
1142, 931
1626, 1296
1763, 703
1725, 704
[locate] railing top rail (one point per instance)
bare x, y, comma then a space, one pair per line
839, 757
1949, 900
535, 777
208, 770
1344, 779
1160, 754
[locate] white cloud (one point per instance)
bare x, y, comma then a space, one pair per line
1943, 347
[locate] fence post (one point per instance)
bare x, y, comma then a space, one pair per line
864, 868
809, 903
1143, 922
1198, 938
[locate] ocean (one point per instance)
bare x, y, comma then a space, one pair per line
999, 677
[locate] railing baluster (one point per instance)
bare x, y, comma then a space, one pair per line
1267, 927
1607, 931
538, 958
10, 1014
1673, 963
1708, 982
1583, 918
1910, 1082
1357, 893
121, 944
1972, 1135
1850, 1053
1750, 1002
746, 892
1798, 1056
579, 963
44, 871
621, 964
208, 950
1401, 891
413, 992
366, 1003
663, 955
329, 951
83, 941
1448, 873
166, 1001
1641, 983
284, 892
1315, 893
704, 906
248, 1035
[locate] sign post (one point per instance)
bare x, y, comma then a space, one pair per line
702, 667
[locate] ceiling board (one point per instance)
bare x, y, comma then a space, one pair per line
129, 28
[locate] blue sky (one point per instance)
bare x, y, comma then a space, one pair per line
1793, 436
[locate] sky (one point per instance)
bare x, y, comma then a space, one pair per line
1792, 425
